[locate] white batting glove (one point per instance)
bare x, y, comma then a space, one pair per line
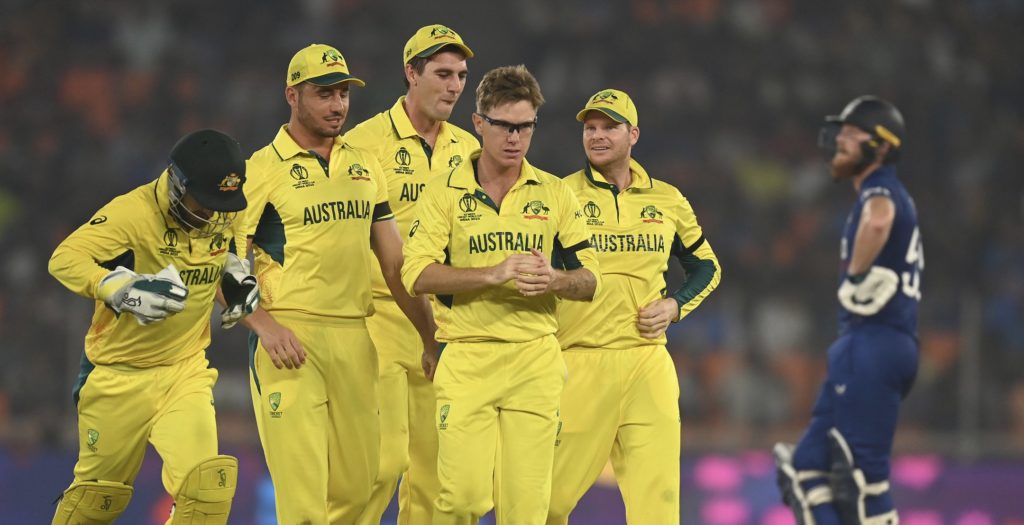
868, 293
150, 298
241, 291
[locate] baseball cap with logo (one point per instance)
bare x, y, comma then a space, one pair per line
209, 166
614, 103
321, 65
430, 39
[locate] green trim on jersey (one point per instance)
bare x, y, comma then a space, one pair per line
254, 341
85, 368
699, 272
270, 235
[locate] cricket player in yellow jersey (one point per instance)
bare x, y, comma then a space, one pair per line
153, 260
317, 208
481, 240
413, 141
622, 397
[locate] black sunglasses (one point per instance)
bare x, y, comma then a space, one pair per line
522, 127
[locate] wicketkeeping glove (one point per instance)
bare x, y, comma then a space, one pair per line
150, 298
241, 291
867, 293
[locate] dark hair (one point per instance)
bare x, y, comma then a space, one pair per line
420, 63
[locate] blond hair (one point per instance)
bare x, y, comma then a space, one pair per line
507, 84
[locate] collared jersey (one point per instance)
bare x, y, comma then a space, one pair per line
903, 253
456, 223
408, 162
135, 231
635, 232
309, 219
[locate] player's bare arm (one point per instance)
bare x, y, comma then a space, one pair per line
872, 232
387, 246
282, 346
443, 279
868, 287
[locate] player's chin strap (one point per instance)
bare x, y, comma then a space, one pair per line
92, 502
791, 484
850, 489
204, 497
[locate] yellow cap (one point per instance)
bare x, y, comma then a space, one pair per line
321, 65
429, 39
613, 103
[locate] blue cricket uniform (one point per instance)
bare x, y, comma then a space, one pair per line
872, 365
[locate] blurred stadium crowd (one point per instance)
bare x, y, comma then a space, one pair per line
730, 92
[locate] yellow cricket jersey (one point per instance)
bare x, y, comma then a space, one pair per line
456, 223
309, 219
408, 163
635, 233
136, 231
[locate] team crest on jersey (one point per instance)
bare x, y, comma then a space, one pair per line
218, 244
232, 182
170, 243
357, 172
91, 438
443, 417
403, 159
455, 161
300, 175
275, 402
651, 214
593, 213
536, 210
467, 203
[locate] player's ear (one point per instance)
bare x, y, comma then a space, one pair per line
291, 95
478, 124
410, 74
634, 135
